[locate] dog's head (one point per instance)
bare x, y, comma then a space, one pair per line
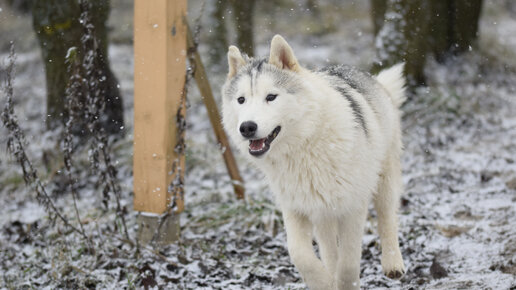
263, 100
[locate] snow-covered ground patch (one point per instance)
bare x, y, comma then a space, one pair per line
458, 213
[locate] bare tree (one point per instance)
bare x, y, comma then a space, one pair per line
218, 35
57, 26
378, 8
453, 26
408, 30
243, 13
241, 18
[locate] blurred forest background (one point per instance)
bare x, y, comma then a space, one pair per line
66, 219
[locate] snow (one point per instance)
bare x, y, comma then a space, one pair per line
458, 210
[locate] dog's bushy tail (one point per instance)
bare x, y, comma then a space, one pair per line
393, 81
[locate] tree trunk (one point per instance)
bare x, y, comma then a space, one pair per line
440, 28
22, 6
57, 26
416, 34
243, 11
314, 8
465, 24
454, 26
411, 29
402, 38
218, 36
378, 8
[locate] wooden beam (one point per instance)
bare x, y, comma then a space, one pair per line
213, 113
159, 79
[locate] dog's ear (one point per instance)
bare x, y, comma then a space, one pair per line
235, 61
281, 54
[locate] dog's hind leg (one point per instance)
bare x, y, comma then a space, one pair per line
326, 236
386, 204
299, 240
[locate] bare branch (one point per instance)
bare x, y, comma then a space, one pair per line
16, 146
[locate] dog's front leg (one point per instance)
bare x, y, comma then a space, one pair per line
351, 228
299, 240
326, 236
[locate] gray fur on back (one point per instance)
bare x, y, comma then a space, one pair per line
365, 85
359, 80
355, 106
362, 82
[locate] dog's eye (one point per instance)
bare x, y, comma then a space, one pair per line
241, 100
270, 97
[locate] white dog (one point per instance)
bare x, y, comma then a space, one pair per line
328, 141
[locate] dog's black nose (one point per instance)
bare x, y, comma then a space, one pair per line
248, 129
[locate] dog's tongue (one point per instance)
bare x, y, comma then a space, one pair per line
257, 144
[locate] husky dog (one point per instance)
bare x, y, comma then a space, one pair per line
328, 142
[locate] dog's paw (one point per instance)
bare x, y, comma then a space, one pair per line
392, 264
395, 274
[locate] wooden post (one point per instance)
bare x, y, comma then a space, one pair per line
159, 78
213, 113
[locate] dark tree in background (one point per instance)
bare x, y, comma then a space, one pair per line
241, 18
218, 34
409, 30
378, 8
23, 6
454, 26
401, 36
243, 13
57, 26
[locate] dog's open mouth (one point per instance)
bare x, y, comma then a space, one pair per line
260, 146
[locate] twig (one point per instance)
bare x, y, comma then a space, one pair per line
95, 104
16, 145
72, 98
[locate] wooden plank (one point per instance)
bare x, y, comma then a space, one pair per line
159, 77
213, 113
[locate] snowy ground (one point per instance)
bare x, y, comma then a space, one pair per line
458, 214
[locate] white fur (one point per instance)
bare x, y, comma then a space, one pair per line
394, 82
322, 167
